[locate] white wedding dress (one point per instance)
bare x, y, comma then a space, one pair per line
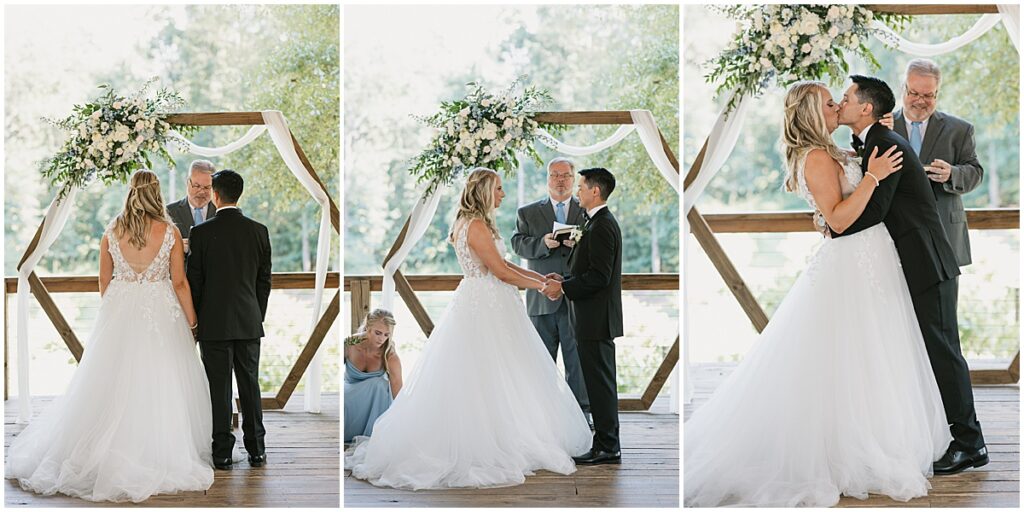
837, 397
485, 405
136, 419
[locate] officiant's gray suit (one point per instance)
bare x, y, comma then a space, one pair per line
550, 317
950, 139
181, 214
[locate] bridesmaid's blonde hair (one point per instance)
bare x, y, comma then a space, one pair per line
385, 316
804, 129
477, 200
143, 205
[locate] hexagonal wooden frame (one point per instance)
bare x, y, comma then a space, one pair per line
611, 117
323, 325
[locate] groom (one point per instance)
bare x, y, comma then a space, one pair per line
594, 289
229, 273
904, 201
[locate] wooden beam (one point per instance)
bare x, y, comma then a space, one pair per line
335, 213
448, 282
991, 377
316, 338
215, 118
398, 241
939, 9
32, 244
801, 221
586, 117
413, 303
695, 166
660, 376
53, 312
86, 284
1014, 368
360, 302
668, 151
702, 232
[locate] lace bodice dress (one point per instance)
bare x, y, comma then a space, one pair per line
485, 405
136, 418
836, 397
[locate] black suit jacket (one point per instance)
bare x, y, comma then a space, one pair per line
229, 273
181, 214
904, 201
594, 285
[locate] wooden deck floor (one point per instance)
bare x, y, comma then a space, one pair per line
302, 466
647, 477
994, 485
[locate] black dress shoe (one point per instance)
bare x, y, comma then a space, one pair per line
257, 461
955, 461
222, 463
598, 457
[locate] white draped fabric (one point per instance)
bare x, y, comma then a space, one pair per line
58, 213
425, 209
725, 132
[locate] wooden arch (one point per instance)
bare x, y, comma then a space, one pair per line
319, 332
607, 117
701, 225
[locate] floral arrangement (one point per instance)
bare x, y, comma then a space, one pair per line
482, 129
788, 43
112, 136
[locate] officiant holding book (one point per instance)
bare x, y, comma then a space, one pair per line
535, 240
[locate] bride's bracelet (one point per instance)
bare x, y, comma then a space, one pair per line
193, 326
877, 183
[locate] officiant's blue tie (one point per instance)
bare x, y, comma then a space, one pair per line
197, 216
560, 213
915, 136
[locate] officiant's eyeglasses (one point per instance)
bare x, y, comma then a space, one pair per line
563, 176
916, 95
206, 188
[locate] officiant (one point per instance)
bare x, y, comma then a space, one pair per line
534, 240
196, 206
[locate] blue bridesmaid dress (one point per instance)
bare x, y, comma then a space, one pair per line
367, 396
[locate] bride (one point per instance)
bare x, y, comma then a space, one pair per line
837, 397
485, 405
135, 420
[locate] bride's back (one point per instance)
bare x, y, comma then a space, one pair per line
139, 259
469, 261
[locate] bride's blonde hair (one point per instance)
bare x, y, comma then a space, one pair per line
477, 200
804, 129
143, 205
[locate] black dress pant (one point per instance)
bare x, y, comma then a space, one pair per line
936, 312
219, 359
597, 357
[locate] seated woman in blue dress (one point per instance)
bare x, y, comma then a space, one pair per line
373, 373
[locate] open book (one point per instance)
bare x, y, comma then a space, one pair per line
561, 232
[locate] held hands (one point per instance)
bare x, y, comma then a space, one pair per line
938, 171
552, 287
880, 167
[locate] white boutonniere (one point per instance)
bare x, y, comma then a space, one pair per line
576, 234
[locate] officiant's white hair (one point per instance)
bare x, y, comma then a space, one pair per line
562, 159
925, 67
203, 166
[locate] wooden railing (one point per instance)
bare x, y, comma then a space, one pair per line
90, 284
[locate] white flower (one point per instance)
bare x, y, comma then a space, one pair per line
854, 40
833, 32
507, 137
834, 12
487, 149
485, 103
119, 151
472, 124
806, 48
775, 28
117, 105
95, 115
765, 63
789, 53
464, 113
104, 126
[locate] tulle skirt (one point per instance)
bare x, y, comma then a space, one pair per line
837, 397
484, 407
136, 418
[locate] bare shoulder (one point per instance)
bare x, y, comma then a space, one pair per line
820, 164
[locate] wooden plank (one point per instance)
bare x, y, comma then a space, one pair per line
335, 213
360, 302
937, 9
585, 117
85, 284
32, 244
661, 376
702, 232
801, 221
695, 166
308, 351
413, 303
991, 377
55, 316
668, 151
448, 282
398, 242
215, 118
1015, 367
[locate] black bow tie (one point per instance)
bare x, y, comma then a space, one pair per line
857, 143
586, 218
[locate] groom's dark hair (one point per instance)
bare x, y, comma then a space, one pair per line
876, 92
601, 178
228, 185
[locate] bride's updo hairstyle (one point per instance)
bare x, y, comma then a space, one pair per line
143, 205
477, 200
804, 128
